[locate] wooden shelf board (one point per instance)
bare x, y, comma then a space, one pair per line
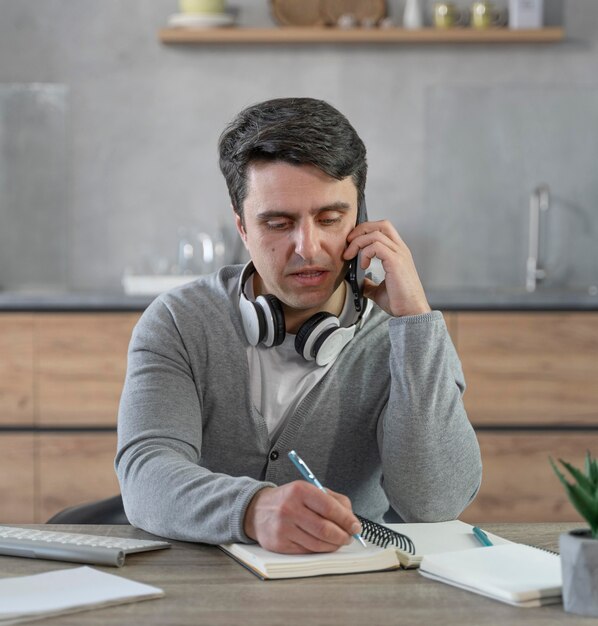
289, 34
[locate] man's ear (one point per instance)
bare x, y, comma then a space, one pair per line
240, 228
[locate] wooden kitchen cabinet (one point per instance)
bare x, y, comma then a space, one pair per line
42, 473
518, 483
16, 369
81, 366
532, 391
73, 468
60, 369
532, 379
529, 368
61, 376
17, 478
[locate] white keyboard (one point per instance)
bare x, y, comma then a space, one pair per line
79, 548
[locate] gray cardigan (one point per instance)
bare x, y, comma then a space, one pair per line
385, 426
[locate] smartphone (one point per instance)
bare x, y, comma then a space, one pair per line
355, 274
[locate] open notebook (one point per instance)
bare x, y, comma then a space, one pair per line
351, 559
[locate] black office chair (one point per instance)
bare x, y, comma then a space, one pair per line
107, 511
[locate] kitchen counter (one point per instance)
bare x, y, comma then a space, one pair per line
72, 301
499, 299
458, 299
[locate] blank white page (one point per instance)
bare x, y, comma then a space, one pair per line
513, 572
434, 537
66, 591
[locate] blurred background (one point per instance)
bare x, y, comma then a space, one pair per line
108, 140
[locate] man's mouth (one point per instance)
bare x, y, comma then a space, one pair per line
309, 277
309, 273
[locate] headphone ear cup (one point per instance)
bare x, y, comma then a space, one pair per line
331, 343
311, 330
254, 321
274, 319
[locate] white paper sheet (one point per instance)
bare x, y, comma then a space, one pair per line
26, 598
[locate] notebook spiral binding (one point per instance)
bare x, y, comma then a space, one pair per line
384, 537
544, 549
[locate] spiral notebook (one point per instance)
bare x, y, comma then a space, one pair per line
389, 547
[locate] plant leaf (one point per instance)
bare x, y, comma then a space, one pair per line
583, 481
592, 468
586, 506
558, 472
586, 503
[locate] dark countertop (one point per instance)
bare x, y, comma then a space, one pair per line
83, 301
496, 299
458, 299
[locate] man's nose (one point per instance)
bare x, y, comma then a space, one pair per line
306, 240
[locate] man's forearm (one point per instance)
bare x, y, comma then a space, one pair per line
167, 494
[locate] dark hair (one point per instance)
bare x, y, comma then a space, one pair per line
294, 130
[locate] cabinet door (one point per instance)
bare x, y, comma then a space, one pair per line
82, 361
518, 483
73, 469
16, 478
16, 369
530, 368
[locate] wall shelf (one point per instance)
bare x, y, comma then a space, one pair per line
317, 35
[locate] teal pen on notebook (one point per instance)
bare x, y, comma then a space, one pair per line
482, 536
299, 463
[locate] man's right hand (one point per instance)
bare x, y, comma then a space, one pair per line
298, 518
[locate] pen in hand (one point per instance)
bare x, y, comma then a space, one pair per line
299, 463
481, 536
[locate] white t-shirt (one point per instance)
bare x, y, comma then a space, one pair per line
280, 377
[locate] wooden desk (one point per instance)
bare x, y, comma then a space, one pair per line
204, 586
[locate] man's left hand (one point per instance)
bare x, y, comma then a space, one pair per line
401, 292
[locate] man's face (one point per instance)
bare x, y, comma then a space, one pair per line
296, 224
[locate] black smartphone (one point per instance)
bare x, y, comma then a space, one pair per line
355, 274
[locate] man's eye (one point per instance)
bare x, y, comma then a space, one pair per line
328, 221
276, 225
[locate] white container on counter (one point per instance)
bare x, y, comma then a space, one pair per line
526, 13
153, 285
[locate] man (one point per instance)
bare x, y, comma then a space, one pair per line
228, 374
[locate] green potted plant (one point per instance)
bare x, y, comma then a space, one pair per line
579, 548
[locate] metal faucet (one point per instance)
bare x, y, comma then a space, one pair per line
539, 202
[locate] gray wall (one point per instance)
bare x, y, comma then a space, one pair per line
457, 137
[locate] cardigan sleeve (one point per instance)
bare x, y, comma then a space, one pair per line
431, 460
165, 488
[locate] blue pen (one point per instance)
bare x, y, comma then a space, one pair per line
299, 463
482, 536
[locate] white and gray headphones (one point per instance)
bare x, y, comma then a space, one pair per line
321, 337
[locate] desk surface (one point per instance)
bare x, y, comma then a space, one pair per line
204, 586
